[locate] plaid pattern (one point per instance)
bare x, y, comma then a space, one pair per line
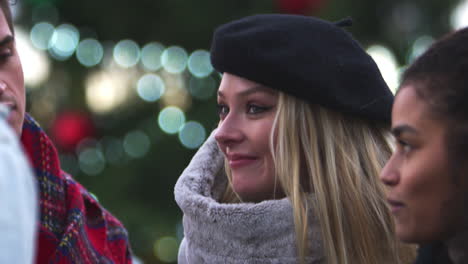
74, 228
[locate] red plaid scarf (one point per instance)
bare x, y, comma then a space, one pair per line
74, 228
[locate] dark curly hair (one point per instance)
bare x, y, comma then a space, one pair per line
5, 6
440, 77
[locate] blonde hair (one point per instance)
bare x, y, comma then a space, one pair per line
338, 158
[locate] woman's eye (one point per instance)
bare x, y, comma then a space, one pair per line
223, 110
404, 146
255, 109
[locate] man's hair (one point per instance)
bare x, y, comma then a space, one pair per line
336, 158
440, 77
5, 6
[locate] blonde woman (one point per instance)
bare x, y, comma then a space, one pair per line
291, 173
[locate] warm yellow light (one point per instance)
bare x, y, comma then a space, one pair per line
387, 64
459, 17
36, 64
106, 90
176, 93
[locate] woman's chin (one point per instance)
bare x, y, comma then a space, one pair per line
251, 187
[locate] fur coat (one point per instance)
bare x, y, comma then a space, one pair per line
234, 233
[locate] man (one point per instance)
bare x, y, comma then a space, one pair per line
73, 227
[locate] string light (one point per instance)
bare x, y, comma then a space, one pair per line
171, 119
174, 59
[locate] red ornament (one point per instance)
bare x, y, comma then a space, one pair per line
300, 7
70, 127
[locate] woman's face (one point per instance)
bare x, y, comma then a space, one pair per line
247, 111
424, 197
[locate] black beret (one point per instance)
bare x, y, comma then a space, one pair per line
306, 57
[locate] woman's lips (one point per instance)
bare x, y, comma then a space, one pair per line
238, 161
395, 206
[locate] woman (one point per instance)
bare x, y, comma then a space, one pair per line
427, 174
303, 123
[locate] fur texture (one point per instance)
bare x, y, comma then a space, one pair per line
234, 233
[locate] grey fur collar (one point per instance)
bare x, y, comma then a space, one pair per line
234, 233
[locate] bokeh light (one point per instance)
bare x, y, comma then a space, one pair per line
89, 52
165, 249
199, 63
64, 41
41, 34
171, 119
176, 93
91, 161
136, 260
136, 144
174, 59
69, 163
202, 88
150, 87
70, 127
36, 64
387, 64
459, 16
113, 150
192, 135
151, 56
85, 144
127, 53
106, 90
419, 46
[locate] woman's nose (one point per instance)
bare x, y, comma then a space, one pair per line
390, 174
229, 131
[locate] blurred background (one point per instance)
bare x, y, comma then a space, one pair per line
127, 92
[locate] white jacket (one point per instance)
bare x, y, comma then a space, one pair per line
18, 199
